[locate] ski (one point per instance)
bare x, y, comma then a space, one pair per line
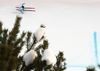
27, 10
27, 7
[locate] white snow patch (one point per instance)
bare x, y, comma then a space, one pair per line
49, 56
39, 33
62, 63
29, 57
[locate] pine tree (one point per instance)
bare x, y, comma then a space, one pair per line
90, 68
38, 64
99, 66
61, 64
0, 31
10, 47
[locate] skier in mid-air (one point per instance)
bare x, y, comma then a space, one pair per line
21, 9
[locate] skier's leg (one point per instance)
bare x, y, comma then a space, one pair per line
21, 11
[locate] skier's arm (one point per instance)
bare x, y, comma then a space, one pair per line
23, 4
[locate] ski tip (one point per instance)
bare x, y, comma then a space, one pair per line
34, 10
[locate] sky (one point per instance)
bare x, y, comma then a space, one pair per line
70, 26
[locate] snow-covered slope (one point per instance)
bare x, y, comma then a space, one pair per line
70, 25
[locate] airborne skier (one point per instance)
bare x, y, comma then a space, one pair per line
21, 9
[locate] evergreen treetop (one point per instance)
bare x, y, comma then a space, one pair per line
11, 46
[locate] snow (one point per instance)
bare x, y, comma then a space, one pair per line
39, 33
49, 56
29, 57
62, 63
70, 25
